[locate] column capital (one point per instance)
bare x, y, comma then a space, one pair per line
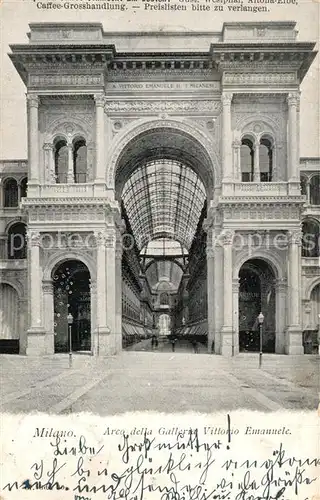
281, 285
100, 238
32, 100
47, 287
226, 98
210, 253
33, 238
48, 146
236, 143
227, 237
295, 237
293, 99
235, 285
99, 100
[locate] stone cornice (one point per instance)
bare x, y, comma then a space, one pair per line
76, 49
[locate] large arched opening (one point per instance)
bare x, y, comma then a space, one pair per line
71, 292
164, 180
257, 293
9, 319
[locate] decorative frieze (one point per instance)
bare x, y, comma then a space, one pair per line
259, 78
61, 79
261, 211
62, 213
156, 106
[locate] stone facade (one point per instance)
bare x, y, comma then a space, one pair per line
199, 106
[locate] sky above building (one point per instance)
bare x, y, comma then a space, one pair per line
15, 15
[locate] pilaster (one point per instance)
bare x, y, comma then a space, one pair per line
48, 315
294, 330
226, 140
33, 142
227, 341
100, 140
36, 341
292, 149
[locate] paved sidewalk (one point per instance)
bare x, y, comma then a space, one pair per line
159, 381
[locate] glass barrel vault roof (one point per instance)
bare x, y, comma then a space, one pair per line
163, 198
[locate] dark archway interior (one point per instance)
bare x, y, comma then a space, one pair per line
160, 183
256, 294
71, 282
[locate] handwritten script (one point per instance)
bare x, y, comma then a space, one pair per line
166, 463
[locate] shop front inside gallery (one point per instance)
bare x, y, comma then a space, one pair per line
163, 195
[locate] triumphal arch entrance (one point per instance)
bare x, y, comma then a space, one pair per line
163, 182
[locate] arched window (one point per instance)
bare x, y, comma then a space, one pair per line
80, 160
246, 160
17, 242
61, 160
265, 160
315, 190
10, 189
310, 238
23, 187
303, 186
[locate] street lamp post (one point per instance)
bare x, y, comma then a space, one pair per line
70, 321
319, 334
260, 321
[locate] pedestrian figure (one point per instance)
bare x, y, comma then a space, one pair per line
173, 344
212, 347
195, 346
156, 342
153, 342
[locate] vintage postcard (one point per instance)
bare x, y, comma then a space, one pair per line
159, 250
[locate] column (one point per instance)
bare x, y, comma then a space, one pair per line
36, 335
294, 331
281, 290
118, 306
308, 200
256, 165
227, 329
49, 163
226, 140
93, 317
100, 160
210, 299
235, 317
111, 285
218, 294
292, 140
90, 161
33, 138
236, 160
70, 175
48, 315
101, 280
23, 310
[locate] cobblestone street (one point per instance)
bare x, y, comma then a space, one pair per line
158, 381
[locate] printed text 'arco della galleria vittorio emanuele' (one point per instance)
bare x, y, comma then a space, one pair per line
163, 195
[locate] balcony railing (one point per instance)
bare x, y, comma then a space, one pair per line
59, 189
263, 189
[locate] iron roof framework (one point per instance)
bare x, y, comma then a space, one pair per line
163, 198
